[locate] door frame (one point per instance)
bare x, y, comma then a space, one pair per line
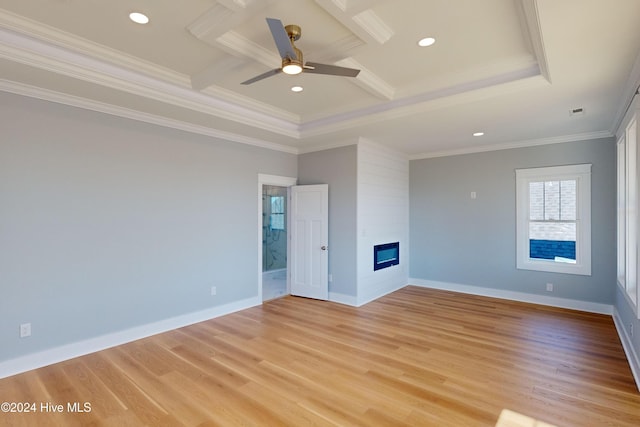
280, 181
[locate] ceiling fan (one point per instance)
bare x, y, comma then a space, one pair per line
292, 62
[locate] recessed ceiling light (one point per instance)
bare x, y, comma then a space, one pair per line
297, 89
427, 41
139, 18
478, 134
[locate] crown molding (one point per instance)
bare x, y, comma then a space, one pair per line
100, 107
205, 78
212, 23
628, 95
369, 21
37, 31
29, 30
338, 50
223, 16
506, 83
236, 44
323, 146
518, 144
369, 81
72, 63
358, 17
530, 20
87, 104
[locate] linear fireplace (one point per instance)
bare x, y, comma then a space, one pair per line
386, 255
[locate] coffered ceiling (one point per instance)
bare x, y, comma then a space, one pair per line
512, 69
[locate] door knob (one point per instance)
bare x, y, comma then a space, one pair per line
324, 248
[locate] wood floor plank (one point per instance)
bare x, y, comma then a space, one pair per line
416, 357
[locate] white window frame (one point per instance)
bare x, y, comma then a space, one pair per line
622, 212
627, 200
582, 175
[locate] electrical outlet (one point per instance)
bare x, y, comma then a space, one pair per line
25, 330
214, 291
549, 287
330, 277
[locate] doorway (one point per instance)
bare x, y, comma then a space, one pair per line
274, 260
274, 242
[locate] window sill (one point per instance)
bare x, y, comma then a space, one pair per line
554, 267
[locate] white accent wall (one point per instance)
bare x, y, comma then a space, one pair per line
382, 217
368, 205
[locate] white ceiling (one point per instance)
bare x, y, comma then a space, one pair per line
512, 69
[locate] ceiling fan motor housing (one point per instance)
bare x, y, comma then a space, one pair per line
294, 32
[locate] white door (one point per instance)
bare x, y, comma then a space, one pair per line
309, 241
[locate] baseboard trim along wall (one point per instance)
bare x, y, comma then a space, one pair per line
359, 302
591, 307
369, 295
343, 299
632, 356
91, 345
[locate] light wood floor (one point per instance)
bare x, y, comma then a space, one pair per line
416, 357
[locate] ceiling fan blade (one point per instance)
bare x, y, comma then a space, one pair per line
281, 38
334, 70
262, 76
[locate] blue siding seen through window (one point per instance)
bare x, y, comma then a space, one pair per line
552, 220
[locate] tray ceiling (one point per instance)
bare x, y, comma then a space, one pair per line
512, 69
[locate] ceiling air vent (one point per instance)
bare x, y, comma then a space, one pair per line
576, 111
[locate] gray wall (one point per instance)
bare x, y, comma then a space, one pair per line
458, 240
338, 168
107, 223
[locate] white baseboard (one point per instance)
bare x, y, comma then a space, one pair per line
632, 356
360, 301
343, 299
591, 307
91, 345
374, 294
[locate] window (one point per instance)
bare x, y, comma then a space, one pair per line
627, 213
277, 212
554, 219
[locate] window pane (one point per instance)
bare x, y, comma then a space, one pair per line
277, 204
553, 241
277, 221
277, 212
552, 200
568, 200
536, 201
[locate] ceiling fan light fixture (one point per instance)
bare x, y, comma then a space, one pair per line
292, 69
291, 66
